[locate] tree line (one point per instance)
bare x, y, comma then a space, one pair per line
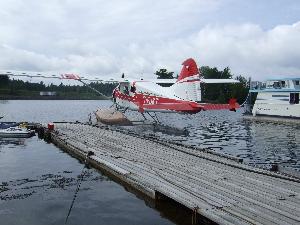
12, 87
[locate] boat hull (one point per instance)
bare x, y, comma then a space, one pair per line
15, 132
277, 110
275, 104
16, 135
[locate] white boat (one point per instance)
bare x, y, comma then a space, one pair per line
16, 132
276, 98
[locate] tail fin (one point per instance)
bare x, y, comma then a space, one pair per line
189, 69
187, 86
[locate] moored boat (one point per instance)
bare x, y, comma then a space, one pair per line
16, 132
4, 125
275, 98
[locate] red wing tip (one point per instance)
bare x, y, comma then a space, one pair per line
70, 76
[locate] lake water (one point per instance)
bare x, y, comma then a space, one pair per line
38, 180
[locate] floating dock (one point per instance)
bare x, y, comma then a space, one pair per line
219, 188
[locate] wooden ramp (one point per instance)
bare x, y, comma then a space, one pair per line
221, 189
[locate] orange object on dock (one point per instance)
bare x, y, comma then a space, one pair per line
50, 126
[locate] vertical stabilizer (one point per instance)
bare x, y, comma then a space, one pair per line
189, 69
187, 86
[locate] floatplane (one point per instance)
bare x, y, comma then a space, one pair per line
182, 95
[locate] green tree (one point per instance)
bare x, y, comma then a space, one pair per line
240, 90
221, 93
4, 80
164, 74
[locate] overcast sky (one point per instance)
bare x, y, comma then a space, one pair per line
257, 38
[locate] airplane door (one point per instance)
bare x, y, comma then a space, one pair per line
125, 90
294, 98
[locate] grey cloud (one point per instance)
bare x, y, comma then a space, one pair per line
138, 37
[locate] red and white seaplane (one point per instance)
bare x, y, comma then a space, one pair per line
183, 96
144, 96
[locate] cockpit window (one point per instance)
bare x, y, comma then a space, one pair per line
133, 89
276, 84
126, 91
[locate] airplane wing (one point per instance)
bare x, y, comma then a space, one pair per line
62, 76
218, 81
163, 81
29, 74
73, 76
205, 81
66, 76
202, 80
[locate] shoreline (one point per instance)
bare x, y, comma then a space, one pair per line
49, 98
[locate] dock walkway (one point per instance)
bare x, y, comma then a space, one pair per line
220, 189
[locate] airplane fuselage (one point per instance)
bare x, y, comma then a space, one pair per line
150, 97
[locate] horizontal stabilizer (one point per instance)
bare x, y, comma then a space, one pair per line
209, 106
232, 105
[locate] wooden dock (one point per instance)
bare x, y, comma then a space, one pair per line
218, 188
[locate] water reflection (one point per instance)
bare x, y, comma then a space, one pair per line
38, 182
23, 188
11, 141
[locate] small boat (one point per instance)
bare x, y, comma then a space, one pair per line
4, 125
16, 132
275, 98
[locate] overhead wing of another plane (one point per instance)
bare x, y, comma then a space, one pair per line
62, 76
73, 76
29, 74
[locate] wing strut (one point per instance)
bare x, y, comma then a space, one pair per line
94, 89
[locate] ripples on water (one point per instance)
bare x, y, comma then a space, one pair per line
258, 143
37, 180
